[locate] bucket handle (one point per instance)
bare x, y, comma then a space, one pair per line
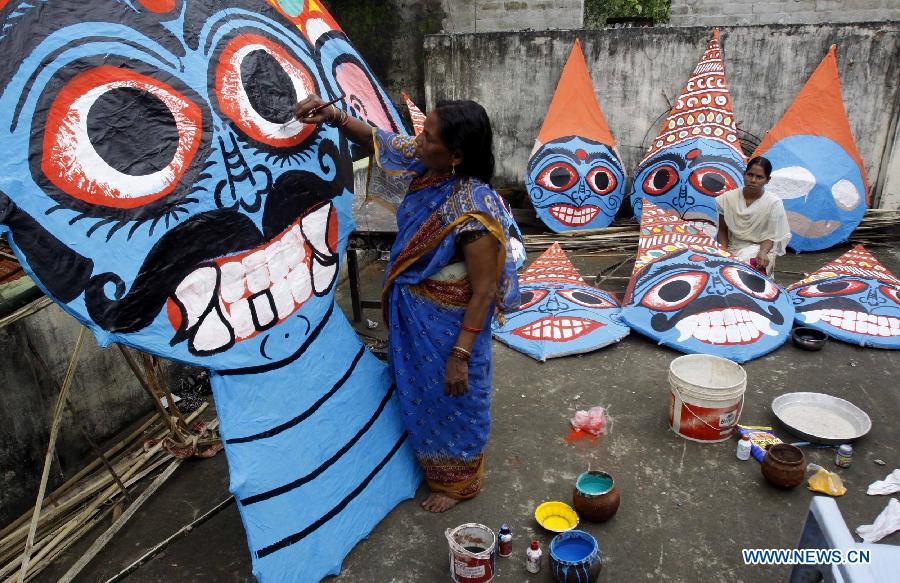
700, 419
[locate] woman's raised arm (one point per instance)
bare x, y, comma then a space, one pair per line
358, 132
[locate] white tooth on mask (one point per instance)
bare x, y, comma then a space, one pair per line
241, 319
299, 283
212, 333
717, 334
812, 317
284, 301
686, 328
196, 291
262, 307
278, 263
232, 286
315, 228
323, 275
258, 279
732, 334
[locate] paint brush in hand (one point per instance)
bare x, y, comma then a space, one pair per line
313, 111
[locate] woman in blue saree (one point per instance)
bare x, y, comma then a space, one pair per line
450, 268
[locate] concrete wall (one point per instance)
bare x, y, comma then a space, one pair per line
105, 396
734, 12
497, 15
637, 74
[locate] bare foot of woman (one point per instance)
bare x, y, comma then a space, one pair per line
437, 502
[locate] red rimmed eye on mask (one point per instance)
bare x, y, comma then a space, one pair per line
676, 291
530, 297
832, 288
660, 180
257, 84
891, 292
557, 177
751, 283
712, 181
601, 180
586, 298
88, 154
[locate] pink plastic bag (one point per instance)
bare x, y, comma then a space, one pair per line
592, 421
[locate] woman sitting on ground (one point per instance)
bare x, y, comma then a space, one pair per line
450, 267
752, 223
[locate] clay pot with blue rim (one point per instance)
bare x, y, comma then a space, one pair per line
575, 557
595, 497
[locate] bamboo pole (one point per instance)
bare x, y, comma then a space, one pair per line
51, 448
135, 368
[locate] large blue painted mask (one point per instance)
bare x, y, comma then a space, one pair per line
153, 184
688, 293
686, 179
696, 156
817, 170
854, 299
575, 184
559, 313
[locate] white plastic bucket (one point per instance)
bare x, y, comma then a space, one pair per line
707, 396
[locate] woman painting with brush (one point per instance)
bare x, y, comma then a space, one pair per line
450, 268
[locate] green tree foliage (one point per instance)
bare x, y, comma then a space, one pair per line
597, 12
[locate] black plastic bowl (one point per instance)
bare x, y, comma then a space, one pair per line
808, 338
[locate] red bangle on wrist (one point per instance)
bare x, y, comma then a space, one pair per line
472, 330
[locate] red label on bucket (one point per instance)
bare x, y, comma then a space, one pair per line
703, 423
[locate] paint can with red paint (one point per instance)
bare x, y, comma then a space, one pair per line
707, 396
472, 551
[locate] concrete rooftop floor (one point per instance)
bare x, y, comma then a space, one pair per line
687, 509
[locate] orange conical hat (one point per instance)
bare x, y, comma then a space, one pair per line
574, 110
418, 118
703, 110
857, 262
313, 19
663, 233
552, 265
818, 110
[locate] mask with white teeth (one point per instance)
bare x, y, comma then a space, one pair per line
154, 185
853, 298
688, 293
574, 176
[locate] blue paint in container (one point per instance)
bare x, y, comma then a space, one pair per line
575, 557
594, 484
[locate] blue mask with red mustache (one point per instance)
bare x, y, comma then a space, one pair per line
853, 298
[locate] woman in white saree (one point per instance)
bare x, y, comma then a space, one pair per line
752, 223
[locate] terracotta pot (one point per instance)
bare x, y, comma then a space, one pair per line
595, 497
575, 558
784, 465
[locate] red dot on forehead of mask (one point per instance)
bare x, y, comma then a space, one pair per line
693, 154
581, 154
698, 258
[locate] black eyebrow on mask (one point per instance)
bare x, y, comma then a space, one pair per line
677, 159
549, 151
26, 90
720, 159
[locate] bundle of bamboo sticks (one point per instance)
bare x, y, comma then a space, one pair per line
878, 227
84, 501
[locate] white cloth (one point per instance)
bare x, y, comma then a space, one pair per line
748, 226
888, 485
886, 523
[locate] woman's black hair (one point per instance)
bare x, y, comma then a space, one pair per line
763, 163
464, 127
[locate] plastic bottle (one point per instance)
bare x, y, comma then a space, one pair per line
533, 557
844, 455
743, 448
505, 540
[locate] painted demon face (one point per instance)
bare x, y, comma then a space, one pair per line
575, 183
822, 189
854, 309
189, 216
556, 319
686, 178
706, 303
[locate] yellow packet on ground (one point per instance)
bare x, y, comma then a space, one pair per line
827, 483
